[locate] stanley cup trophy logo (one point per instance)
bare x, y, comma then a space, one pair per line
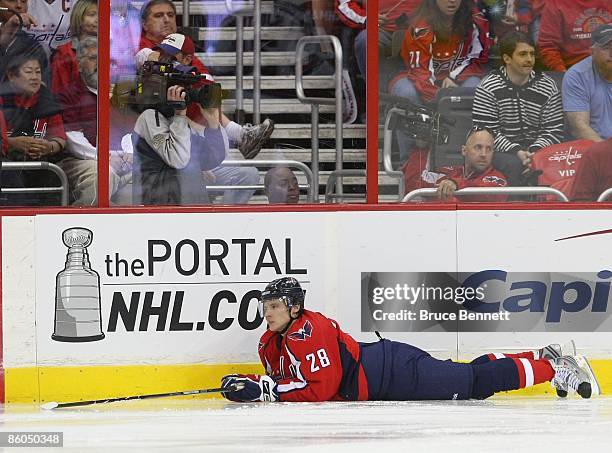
77, 292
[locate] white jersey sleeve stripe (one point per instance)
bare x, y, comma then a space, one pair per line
528, 372
293, 385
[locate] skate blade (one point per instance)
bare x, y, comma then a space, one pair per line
586, 366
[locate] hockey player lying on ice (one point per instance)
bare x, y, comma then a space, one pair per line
308, 358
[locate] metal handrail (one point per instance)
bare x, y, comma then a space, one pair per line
245, 9
430, 192
331, 183
267, 163
185, 20
315, 101
387, 145
248, 9
63, 189
605, 195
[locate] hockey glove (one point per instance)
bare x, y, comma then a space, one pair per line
250, 387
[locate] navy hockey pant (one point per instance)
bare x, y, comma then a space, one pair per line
402, 372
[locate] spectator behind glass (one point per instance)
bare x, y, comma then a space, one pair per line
169, 157
281, 186
158, 21
53, 23
594, 176
565, 30
180, 48
446, 45
520, 106
79, 104
15, 42
587, 90
477, 170
83, 23
508, 15
392, 15
33, 122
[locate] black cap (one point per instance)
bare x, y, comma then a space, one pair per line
602, 35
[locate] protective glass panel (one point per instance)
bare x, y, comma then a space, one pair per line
487, 101
263, 82
48, 102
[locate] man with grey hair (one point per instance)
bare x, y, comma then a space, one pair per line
79, 103
587, 90
158, 18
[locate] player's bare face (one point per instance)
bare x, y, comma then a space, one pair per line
478, 152
276, 314
522, 60
160, 23
28, 79
448, 7
89, 26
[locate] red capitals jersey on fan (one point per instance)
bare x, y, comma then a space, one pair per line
429, 60
488, 178
314, 361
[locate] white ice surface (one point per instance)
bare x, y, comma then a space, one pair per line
506, 424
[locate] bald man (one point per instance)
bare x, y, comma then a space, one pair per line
281, 186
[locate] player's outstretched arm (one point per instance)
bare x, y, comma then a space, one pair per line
256, 388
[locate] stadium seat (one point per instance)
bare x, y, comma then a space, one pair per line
455, 106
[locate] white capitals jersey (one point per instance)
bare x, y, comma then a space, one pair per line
53, 19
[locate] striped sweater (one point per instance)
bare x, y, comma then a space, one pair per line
527, 117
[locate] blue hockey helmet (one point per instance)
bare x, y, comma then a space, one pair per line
286, 289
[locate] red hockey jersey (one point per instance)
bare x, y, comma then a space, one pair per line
429, 60
488, 178
314, 361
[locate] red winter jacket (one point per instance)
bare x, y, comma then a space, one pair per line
460, 58
565, 33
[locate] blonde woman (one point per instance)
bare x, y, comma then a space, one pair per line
83, 22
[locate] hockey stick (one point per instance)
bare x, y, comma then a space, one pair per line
54, 405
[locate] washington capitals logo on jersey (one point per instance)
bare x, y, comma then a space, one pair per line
301, 334
418, 32
495, 180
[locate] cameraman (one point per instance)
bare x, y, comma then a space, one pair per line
169, 157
